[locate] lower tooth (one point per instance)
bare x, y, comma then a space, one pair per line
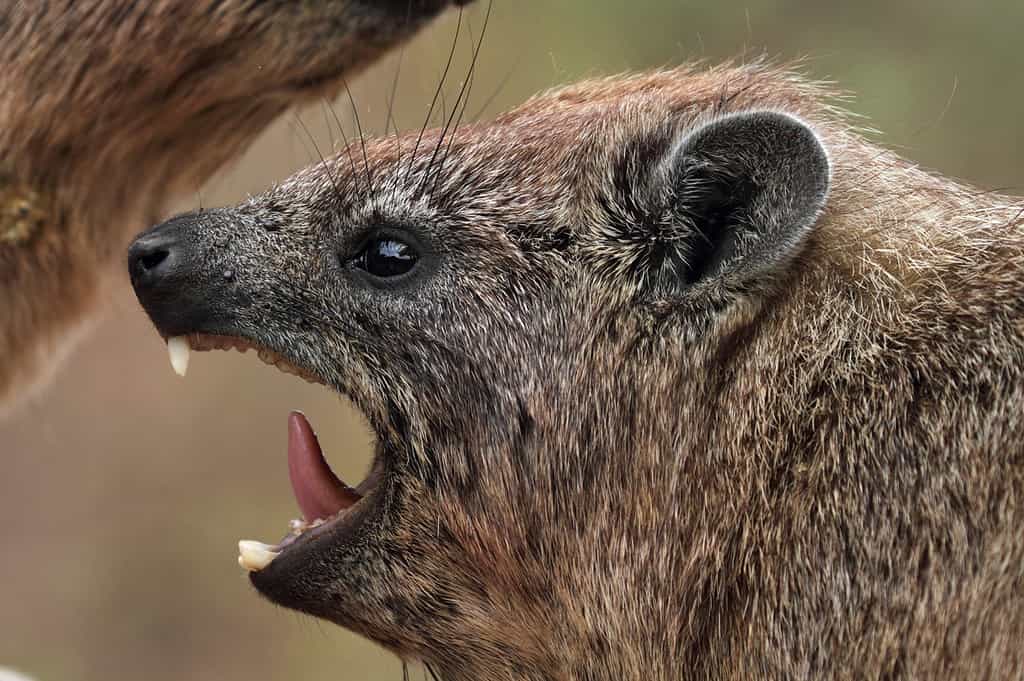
254, 555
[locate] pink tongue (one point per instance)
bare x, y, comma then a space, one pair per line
317, 489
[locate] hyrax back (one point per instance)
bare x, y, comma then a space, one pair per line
673, 376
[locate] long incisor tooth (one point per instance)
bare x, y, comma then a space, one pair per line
254, 555
178, 348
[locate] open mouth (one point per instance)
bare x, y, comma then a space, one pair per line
323, 498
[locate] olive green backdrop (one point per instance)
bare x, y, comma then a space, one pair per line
123, 489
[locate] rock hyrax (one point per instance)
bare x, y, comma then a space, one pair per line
672, 376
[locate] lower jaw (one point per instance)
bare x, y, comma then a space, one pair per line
335, 533
316, 570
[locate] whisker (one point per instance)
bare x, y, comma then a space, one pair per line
348, 147
436, 175
310, 156
330, 133
389, 119
437, 93
362, 139
330, 176
498, 90
463, 98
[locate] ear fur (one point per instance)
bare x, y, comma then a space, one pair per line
744, 191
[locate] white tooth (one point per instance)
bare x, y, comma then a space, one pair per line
254, 555
178, 348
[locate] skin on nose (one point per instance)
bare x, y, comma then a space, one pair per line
161, 257
169, 279
180, 279
150, 259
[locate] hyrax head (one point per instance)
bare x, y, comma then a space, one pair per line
528, 313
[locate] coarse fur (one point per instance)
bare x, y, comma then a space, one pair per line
110, 108
607, 451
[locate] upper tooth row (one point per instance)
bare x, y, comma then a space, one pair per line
299, 526
179, 348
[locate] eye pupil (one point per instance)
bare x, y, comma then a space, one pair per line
387, 257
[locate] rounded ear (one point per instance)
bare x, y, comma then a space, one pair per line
745, 190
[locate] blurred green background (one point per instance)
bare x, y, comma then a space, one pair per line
125, 488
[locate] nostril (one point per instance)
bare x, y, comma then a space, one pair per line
159, 256
150, 261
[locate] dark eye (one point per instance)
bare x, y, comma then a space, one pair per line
386, 256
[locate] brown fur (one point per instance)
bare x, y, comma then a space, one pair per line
109, 108
817, 475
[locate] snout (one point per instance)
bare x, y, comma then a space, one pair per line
175, 278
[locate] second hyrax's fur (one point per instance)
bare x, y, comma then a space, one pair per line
672, 376
110, 108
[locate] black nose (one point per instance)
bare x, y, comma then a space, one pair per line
152, 259
168, 266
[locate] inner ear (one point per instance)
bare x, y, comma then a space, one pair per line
744, 192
